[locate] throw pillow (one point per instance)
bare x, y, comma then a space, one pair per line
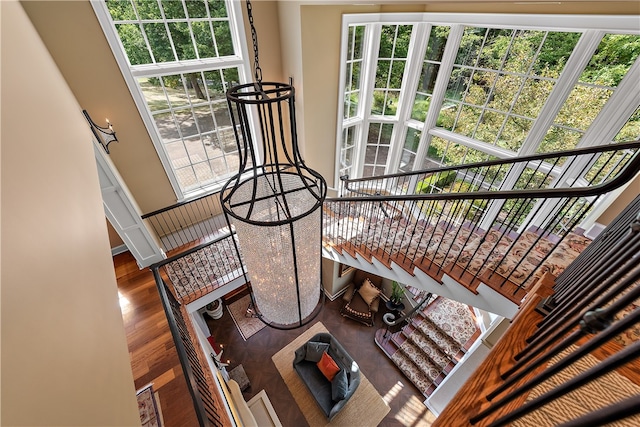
368, 291
339, 386
328, 366
315, 350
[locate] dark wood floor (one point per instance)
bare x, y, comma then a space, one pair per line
154, 358
255, 355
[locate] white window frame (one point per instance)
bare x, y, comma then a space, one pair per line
610, 119
130, 74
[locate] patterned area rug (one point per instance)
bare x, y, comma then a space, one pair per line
200, 272
365, 408
247, 325
149, 407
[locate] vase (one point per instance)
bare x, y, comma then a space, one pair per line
216, 309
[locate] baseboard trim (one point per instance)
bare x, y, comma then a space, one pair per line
334, 297
119, 250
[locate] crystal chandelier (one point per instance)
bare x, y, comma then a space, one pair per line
275, 205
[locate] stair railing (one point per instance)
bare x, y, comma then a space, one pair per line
474, 230
391, 320
604, 329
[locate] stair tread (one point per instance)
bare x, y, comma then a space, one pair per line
446, 343
412, 372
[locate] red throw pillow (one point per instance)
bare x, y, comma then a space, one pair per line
328, 366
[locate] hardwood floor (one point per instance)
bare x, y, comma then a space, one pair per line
154, 359
153, 355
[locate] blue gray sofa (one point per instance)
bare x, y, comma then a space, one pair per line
330, 395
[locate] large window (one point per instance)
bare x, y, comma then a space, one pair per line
179, 57
423, 90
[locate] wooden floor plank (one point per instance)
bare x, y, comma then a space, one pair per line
153, 355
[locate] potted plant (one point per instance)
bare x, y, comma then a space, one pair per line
214, 309
397, 293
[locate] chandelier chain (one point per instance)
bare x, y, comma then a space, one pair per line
257, 71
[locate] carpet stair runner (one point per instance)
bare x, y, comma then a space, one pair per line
432, 343
508, 262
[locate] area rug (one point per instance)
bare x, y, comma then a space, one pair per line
149, 407
247, 326
365, 408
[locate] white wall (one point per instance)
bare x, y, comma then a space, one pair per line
64, 352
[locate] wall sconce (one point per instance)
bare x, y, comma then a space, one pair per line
105, 136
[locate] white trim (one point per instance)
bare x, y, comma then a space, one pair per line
592, 29
123, 213
610, 23
119, 250
102, 13
131, 73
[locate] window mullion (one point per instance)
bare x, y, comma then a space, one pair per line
439, 90
570, 75
417, 47
615, 113
370, 58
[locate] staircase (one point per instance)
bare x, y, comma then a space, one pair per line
472, 241
432, 343
506, 261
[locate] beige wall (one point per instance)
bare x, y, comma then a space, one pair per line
622, 201
71, 32
114, 239
64, 353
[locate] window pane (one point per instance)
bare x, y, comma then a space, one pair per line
159, 41
409, 150
153, 93
222, 34
615, 55
182, 40
196, 9
555, 51
204, 41
167, 127
177, 153
187, 178
217, 9
631, 130
173, 9
134, 44
121, 10
186, 123
147, 9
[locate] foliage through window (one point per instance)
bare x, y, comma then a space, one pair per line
458, 89
182, 56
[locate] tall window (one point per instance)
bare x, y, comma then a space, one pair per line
179, 57
439, 89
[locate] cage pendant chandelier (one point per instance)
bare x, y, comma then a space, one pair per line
275, 203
